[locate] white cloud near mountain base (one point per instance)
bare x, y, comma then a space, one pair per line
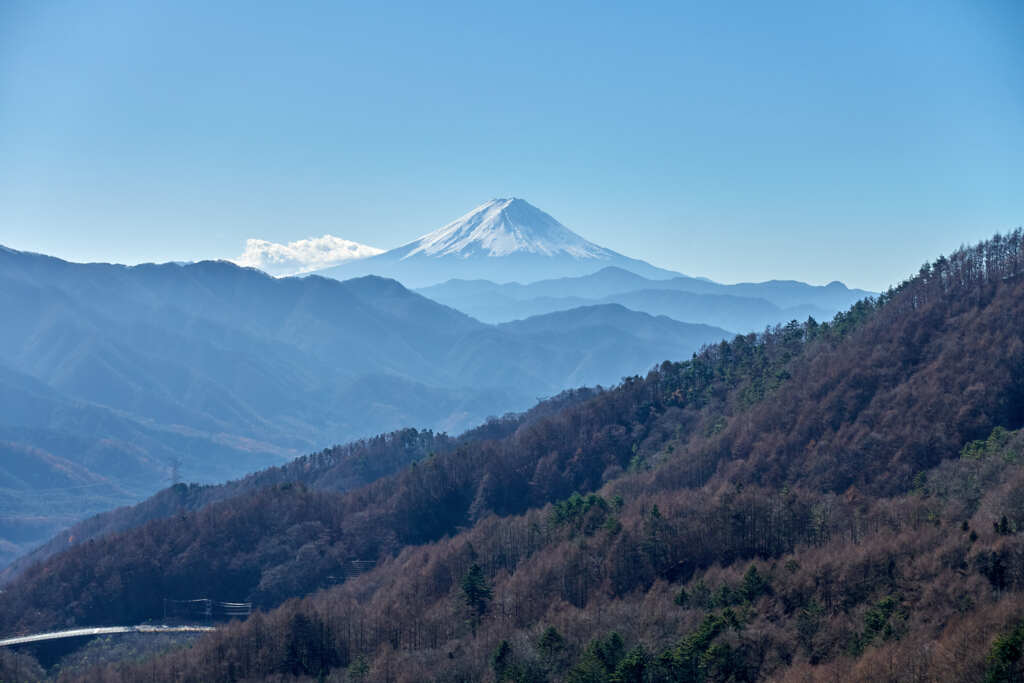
302, 256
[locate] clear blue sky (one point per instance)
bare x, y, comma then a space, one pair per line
739, 141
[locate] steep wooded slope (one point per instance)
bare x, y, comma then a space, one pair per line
335, 469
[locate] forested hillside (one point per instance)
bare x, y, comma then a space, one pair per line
839, 500
335, 469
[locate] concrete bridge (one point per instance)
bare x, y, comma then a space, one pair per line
101, 631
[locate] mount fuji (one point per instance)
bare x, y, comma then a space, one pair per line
502, 240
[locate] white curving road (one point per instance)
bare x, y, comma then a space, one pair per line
103, 630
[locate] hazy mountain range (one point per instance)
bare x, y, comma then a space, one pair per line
114, 378
109, 374
507, 260
740, 308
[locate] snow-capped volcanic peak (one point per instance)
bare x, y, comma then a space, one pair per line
505, 226
503, 240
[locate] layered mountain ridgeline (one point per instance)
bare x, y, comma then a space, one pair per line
742, 307
115, 376
219, 348
822, 501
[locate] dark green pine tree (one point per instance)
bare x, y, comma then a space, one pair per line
476, 594
550, 645
754, 585
501, 661
633, 668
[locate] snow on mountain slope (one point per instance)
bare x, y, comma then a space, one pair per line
503, 240
503, 226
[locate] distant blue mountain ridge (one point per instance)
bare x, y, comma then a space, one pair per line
109, 375
740, 308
